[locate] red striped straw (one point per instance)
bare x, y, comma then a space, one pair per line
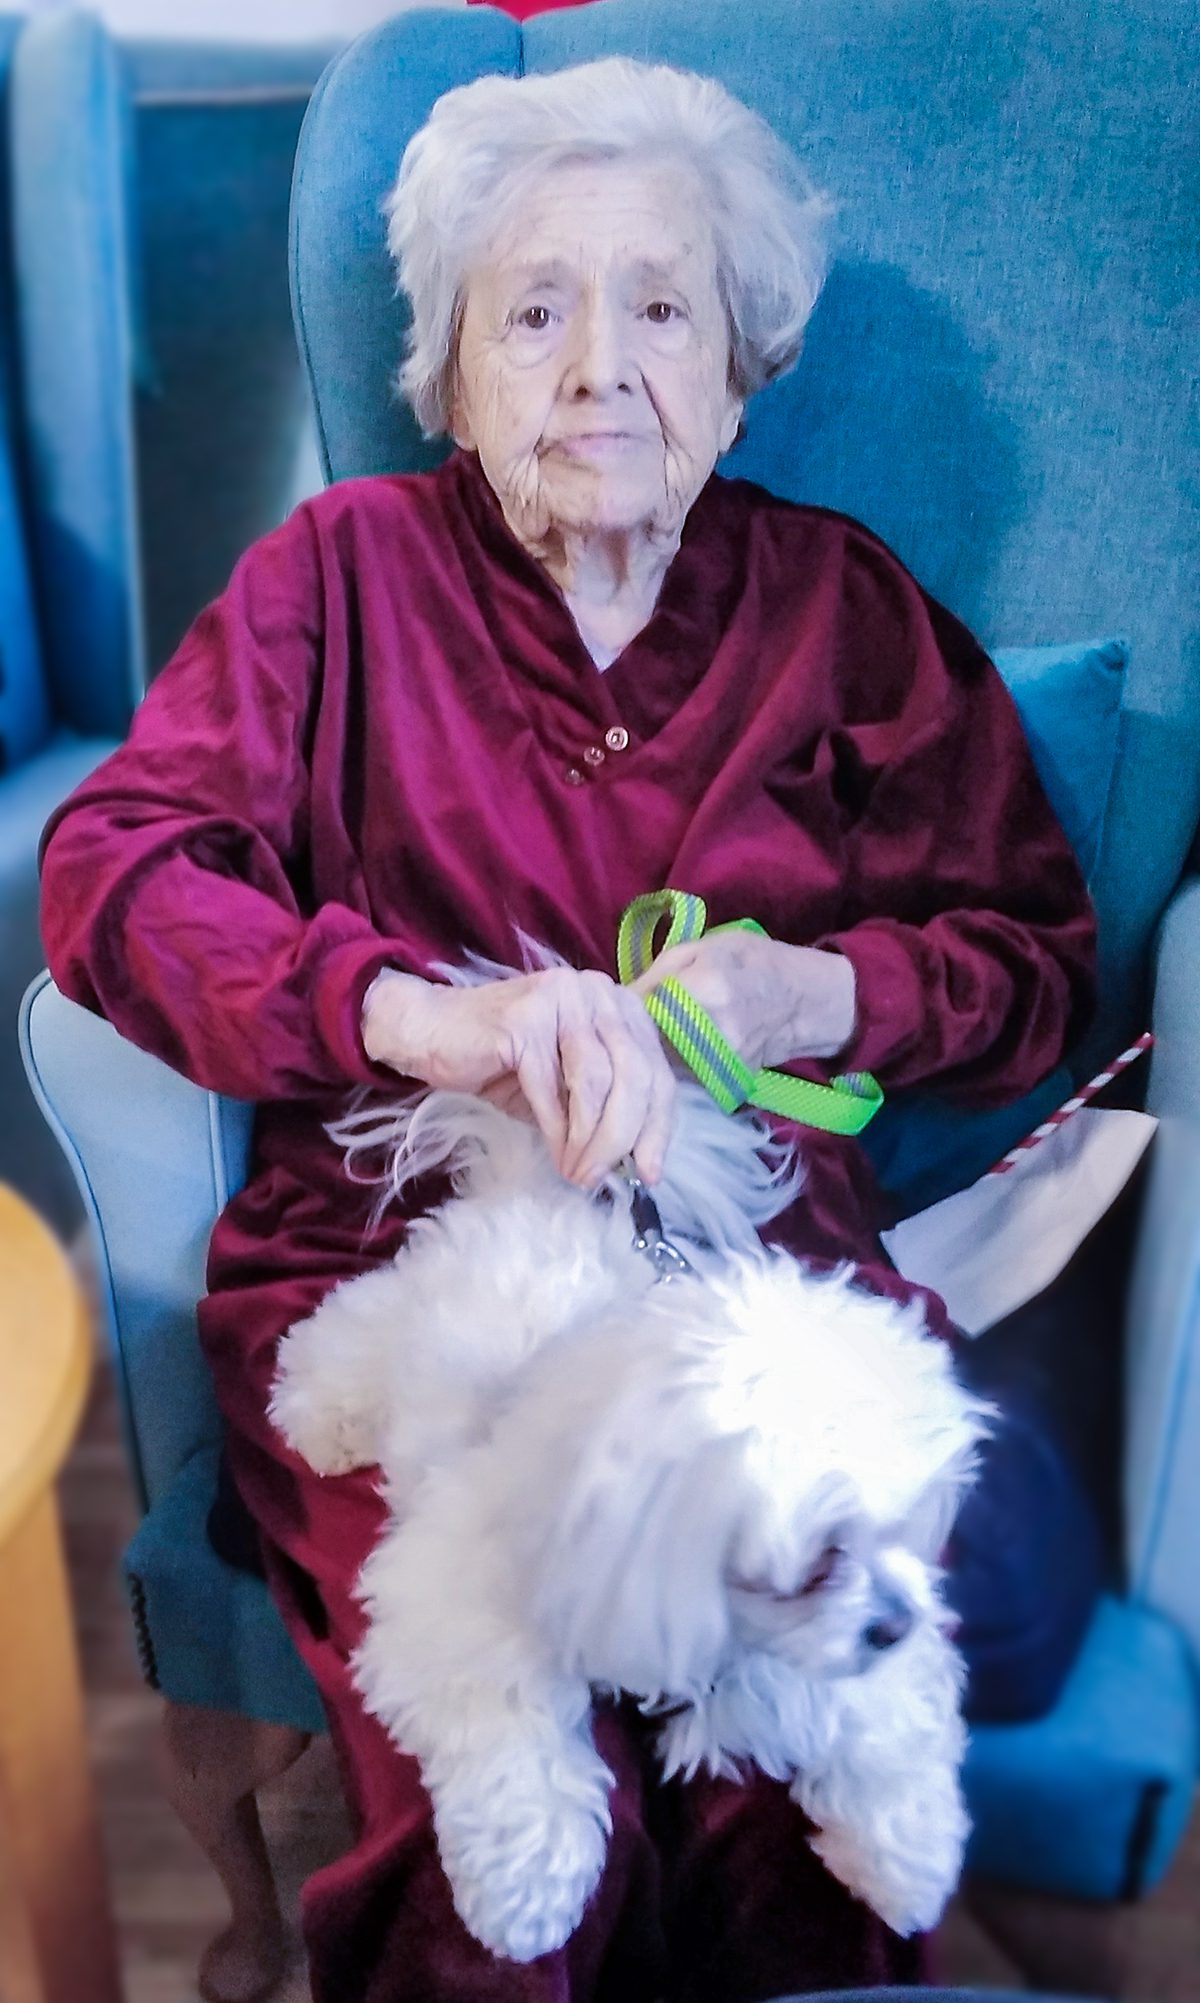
1072, 1105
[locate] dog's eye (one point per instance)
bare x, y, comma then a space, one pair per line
822, 1572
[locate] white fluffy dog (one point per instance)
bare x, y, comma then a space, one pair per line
726, 1496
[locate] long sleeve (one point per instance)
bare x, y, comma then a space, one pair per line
175, 897
969, 925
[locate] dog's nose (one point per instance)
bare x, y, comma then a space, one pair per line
890, 1625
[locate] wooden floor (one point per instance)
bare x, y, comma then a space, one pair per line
168, 1904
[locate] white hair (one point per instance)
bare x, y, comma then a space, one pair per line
486, 143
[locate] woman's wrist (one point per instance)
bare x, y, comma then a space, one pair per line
843, 1003
825, 1012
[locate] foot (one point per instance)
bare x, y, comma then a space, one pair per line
523, 1872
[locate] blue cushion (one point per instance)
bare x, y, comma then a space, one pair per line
206, 1632
1069, 700
1091, 1801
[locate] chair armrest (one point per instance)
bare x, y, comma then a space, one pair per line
156, 1159
1162, 1444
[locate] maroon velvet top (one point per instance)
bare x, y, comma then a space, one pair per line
386, 744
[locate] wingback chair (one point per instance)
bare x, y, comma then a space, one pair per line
143, 288
993, 381
59, 715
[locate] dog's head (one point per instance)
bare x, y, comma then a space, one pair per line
773, 1465
838, 1588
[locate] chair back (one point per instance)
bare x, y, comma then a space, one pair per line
996, 376
24, 705
166, 417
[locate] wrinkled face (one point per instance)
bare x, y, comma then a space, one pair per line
593, 359
833, 1606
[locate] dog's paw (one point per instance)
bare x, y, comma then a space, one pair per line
323, 1428
909, 1888
522, 1879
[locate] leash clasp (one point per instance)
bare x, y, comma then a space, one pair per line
648, 1234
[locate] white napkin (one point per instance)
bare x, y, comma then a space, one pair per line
992, 1247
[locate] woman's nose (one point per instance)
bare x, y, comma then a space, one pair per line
599, 363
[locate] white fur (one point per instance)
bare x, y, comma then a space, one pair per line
595, 1481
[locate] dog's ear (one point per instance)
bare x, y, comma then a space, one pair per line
927, 1525
633, 1585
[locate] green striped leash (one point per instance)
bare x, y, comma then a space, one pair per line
844, 1106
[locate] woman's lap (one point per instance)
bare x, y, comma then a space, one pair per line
748, 1910
711, 1893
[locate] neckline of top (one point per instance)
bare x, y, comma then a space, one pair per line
649, 680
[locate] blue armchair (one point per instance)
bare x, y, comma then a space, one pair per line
992, 381
59, 715
145, 194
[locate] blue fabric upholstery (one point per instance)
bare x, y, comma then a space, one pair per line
40, 758
166, 415
992, 377
1091, 1801
154, 1181
1162, 1455
1070, 699
162, 422
207, 1633
223, 425
29, 1160
24, 710
1070, 703
70, 133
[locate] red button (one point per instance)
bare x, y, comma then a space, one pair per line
617, 738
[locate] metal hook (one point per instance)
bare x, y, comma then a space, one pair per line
648, 1234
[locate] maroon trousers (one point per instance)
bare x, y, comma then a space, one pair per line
711, 1893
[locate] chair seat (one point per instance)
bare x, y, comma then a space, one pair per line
1091, 1801
206, 1632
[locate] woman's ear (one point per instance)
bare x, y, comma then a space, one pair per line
732, 427
460, 423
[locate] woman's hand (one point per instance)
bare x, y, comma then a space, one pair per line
772, 1002
575, 1051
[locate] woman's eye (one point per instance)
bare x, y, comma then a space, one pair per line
536, 318
660, 312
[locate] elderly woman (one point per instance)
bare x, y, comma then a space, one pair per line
432, 713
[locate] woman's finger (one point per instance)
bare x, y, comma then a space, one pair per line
637, 1113
507, 1095
650, 1147
625, 1108
539, 1078
587, 1076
